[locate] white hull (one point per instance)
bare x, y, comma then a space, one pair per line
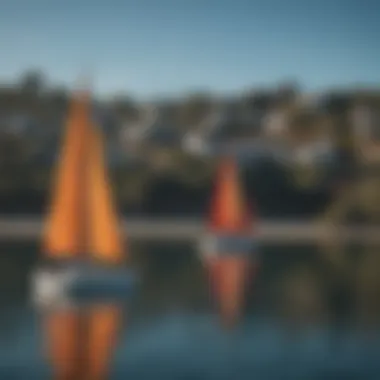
79, 283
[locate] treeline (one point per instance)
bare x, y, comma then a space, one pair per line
166, 180
267, 185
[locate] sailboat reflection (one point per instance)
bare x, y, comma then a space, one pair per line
227, 248
80, 342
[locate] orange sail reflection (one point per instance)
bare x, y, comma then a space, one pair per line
232, 280
80, 343
63, 338
104, 324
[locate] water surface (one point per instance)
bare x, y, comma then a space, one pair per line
170, 329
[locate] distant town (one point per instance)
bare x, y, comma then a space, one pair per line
296, 149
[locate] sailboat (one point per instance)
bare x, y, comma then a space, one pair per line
228, 247
82, 248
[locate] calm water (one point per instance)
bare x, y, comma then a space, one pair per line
170, 330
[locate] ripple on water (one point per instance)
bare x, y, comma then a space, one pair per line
180, 345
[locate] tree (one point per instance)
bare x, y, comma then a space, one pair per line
194, 109
14, 159
287, 91
193, 171
32, 82
124, 106
258, 100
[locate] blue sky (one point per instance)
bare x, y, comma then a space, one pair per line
150, 47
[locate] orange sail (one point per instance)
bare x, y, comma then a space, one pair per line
105, 239
229, 213
82, 219
64, 235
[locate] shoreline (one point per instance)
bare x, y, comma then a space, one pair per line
28, 228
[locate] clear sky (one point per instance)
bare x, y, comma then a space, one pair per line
149, 47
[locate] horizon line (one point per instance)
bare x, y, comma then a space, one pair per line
237, 91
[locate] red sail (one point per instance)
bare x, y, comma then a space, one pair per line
229, 211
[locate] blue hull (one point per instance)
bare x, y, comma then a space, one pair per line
82, 283
103, 284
